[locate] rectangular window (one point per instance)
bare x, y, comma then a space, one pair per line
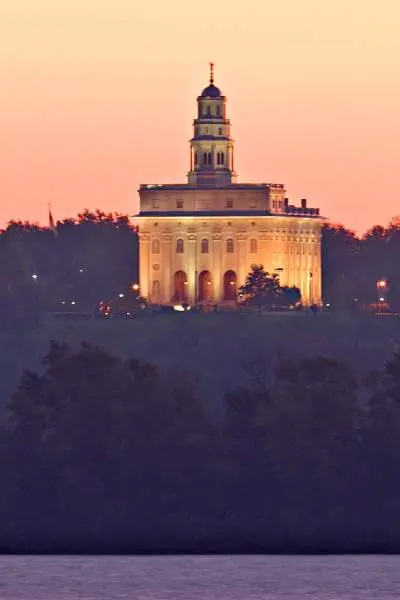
179, 204
229, 204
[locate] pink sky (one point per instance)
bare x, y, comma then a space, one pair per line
98, 96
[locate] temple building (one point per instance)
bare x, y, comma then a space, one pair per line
199, 239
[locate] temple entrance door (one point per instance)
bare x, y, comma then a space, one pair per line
230, 286
205, 287
180, 286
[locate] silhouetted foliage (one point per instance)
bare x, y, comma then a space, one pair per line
106, 454
92, 258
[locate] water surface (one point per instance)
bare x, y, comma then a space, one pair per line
204, 577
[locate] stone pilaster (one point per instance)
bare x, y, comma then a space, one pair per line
144, 263
241, 258
167, 275
192, 267
217, 266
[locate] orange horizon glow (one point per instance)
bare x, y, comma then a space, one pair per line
98, 97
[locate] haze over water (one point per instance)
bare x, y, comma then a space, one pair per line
200, 578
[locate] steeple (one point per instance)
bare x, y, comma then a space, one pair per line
211, 147
211, 73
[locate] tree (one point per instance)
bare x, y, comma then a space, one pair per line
260, 289
289, 296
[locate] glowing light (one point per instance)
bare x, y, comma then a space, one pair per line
178, 307
381, 283
73, 302
120, 295
34, 276
381, 299
135, 287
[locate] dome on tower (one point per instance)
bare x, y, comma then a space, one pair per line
211, 91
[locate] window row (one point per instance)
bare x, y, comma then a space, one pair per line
207, 158
204, 247
208, 112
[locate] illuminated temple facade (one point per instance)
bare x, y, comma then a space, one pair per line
199, 239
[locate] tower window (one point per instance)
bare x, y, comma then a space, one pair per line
219, 130
253, 246
204, 246
179, 246
229, 245
218, 110
155, 246
179, 204
210, 158
220, 158
229, 204
208, 113
195, 158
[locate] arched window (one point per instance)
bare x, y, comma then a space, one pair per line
195, 159
179, 246
253, 246
222, 158
205, 157
155, 246
210, 158
229, 245
218, 110
208, 111
204, 246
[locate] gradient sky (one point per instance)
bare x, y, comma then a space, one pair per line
98, 96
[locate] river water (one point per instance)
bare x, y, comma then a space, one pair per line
203, 577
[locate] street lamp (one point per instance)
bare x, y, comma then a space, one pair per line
381, 287
35, 277
135, 287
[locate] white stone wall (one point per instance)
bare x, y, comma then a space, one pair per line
291, 245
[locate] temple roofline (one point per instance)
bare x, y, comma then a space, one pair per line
231, 213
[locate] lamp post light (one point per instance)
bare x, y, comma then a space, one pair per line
135, 287
35, 277
381, 288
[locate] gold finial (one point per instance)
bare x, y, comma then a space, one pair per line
211, 73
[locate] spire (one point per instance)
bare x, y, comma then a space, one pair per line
211, 73
52, 225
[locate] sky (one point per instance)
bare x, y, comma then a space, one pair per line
98, 96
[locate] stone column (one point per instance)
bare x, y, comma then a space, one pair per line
241, 258
264, 258
144, 266
166, 265
217, 267
192, 268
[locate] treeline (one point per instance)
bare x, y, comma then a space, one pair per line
94, 258
72, 267
352, 266
102, 454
